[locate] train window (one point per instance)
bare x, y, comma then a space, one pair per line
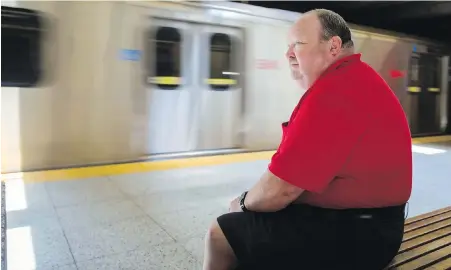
167, 44
434, 71
220, 62
414, 75
21, 47
414, 70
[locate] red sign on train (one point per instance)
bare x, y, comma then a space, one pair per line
397, 73
266, 64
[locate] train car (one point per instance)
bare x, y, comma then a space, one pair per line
105, 82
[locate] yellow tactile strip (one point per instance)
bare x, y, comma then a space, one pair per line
105, 170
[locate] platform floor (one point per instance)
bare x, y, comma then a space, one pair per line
154, 215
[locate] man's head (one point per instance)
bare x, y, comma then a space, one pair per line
316, 40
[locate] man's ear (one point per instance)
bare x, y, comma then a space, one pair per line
335, 45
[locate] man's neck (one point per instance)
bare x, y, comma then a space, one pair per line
344, 53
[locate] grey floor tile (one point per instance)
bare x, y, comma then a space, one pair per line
31, 266
162, 257
185, 224
196, 247
423, 201
40, 245
224, 192
170, 201
431, 177
125, 235
66, 267
191, 197
62, 267
26, 202
186, 178
73, 192
150, 182
174, 256
94, 214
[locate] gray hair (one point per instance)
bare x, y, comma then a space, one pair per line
334, 25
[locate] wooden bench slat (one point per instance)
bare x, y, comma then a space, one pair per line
413, 243
427, 221
400, 259
427, 259
445, 264
428, 215
428, 229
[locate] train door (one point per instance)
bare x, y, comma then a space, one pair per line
429, 96
448, 106
424, 89
194, 101
220, 97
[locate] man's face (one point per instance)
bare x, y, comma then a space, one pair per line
306, 54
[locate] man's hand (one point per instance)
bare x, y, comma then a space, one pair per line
235, 205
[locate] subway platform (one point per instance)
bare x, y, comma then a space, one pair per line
154, 215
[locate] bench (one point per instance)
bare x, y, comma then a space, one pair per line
426, 243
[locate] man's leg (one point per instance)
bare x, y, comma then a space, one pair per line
250, 240
218, 254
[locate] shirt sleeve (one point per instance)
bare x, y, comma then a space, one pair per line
319, 140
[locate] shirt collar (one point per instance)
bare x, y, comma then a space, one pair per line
343, 62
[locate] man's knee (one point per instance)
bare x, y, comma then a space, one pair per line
216, 239
215, 233
218, 252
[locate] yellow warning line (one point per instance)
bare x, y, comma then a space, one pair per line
147, 166
107, 170
432, 139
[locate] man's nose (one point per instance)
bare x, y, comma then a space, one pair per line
290, 53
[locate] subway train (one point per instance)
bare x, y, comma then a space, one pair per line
89, 82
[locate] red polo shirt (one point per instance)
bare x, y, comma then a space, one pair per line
347, 143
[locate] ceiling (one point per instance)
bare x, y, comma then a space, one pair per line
428, 19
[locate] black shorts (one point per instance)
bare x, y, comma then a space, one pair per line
306, 237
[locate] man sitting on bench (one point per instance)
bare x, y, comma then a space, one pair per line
335, 191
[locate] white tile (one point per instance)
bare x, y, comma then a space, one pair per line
160, 181
39, 245
93, 214
167, 257
166, 202
188, 178
125, 235
182, 199
195, 246
26, 202
67, 267
189, 223
141, 183
63, 267
73, 192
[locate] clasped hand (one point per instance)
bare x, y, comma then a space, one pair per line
235, 205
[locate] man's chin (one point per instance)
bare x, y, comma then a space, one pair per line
296, 75
300, 81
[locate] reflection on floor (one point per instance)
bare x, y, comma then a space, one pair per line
154, 219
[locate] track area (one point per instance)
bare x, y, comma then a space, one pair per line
153, 215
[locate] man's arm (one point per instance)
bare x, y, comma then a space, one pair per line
316, 147
271, 194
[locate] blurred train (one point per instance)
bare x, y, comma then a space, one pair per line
89, 82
